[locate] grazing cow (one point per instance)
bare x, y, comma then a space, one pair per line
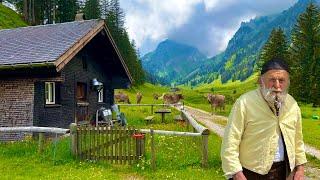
172, 98
139, 97
121, 97
155, 96
216, 100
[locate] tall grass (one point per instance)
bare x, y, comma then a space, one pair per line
176, 157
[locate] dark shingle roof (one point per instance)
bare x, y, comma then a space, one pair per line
45, 43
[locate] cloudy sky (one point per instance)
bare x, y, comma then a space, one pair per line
205, 24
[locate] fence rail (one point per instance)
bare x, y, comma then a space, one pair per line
151, 105
35, 129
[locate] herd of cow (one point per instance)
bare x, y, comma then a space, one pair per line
167, 98
216, 100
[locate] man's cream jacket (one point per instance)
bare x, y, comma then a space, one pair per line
251, 136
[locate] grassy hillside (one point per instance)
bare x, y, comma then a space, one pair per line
232, 90
9, 18
56, 161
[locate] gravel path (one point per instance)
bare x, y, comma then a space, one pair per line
208, 120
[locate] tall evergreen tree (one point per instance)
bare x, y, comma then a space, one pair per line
305, 56
92, 9
66, 11
115, 23
105, 8
275, 47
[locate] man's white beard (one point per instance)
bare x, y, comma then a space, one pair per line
271, 96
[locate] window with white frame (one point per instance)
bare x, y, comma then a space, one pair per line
100, 95
50, 92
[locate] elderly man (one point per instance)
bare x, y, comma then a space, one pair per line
263, 137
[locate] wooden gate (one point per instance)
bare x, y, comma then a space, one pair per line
116, 145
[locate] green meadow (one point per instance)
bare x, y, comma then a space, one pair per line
176, 157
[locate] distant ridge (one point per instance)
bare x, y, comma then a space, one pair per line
172, 60
237, 62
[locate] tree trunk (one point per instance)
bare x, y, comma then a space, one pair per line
25, 10
33, 14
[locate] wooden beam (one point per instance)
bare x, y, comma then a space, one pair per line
200, 129
118, 53
35, 129
153, 151
144, 104
205, 152
70, 53
172, 133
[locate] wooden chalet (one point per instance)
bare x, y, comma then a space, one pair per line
49, 73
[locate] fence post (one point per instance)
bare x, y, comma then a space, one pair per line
205, 150
151, 109
153, 153
74, 139
41, 142
143, 145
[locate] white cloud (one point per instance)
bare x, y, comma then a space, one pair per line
212, 4
205, 24
223, 35
156, 18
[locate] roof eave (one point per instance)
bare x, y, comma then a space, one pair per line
73, 50
118, 53
26, 65
76, 47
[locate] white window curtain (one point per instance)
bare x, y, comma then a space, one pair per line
50, 92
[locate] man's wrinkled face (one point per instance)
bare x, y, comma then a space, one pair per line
274, 85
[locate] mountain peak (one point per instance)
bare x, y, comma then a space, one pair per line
172, 60
168, 44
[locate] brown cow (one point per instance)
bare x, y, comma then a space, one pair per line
172, 98
155, 96
121, 97
216, 100
139, 97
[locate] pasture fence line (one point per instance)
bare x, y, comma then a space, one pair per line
151, 105
35, 129
199, 130
108, 143
120, 145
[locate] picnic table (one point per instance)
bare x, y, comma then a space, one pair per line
163, 112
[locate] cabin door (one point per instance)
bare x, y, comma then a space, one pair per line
82, 106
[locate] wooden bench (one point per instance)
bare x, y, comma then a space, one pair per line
149, 119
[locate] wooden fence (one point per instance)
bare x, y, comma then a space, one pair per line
151, 105
34, 129
117, 144
198, 129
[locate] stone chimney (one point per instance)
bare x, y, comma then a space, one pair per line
79, 17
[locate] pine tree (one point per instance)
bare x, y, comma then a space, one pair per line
92, 9
305, 56
67, 10
115, 23
275, 47
105, 8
